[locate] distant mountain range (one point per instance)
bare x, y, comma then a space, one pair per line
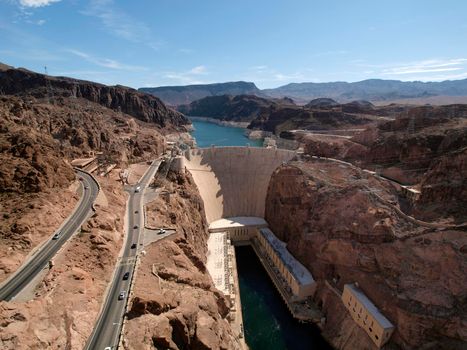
178, 95
371, 90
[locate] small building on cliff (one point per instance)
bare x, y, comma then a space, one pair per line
367, 315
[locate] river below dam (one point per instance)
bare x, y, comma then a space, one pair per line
267, 322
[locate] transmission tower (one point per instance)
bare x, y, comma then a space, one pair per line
378, 170
74, 91
50, 93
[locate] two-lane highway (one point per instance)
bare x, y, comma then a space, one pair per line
108, 326
26, 273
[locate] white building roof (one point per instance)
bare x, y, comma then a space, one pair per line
301, 274
358, 293
411, 189
238, 221
216, 260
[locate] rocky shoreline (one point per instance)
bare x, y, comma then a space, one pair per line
228, 123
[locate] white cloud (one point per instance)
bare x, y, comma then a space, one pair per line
439, 77
119, 24
105, 62
198, 70
32, 54
330, 53
192, 76
424, 70
260, 67
185, 51
427, 66
264, 74
36, 3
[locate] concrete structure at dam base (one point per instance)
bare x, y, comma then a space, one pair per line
293, 281
222, 266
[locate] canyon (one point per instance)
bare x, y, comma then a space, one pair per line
382, 205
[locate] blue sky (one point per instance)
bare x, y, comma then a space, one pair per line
272, 43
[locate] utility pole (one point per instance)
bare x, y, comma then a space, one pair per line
411, 124
50, 93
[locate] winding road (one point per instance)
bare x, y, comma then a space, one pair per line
108, 327
39, 260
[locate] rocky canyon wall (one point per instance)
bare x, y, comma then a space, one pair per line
175, 304
342, 225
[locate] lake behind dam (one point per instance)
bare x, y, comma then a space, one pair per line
207, 134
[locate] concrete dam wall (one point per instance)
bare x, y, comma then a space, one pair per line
233, 181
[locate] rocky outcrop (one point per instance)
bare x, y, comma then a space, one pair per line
322, 102
38, 140
444, 188
423, 146
175, 304
342, 225
332, 147
142, 106
240, 108
278, 119
31, 161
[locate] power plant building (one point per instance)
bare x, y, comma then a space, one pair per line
297, 277
367, 315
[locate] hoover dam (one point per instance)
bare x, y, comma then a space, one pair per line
233, 184
233, 181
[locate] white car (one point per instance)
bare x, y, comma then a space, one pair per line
56, 236
161, 231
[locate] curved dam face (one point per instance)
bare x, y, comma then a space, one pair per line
233, 181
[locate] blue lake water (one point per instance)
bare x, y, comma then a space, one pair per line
207, 134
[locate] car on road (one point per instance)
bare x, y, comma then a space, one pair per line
136, 211
121, 296
133, 246
137, 189
57, 235
108, 348
161, 231
135, 227
126, 276
80, 179
86, 187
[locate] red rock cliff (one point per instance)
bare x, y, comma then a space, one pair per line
343, 226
